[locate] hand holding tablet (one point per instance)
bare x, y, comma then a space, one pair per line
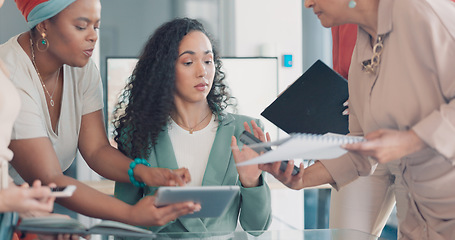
213, 199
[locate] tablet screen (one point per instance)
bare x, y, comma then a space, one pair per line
213, 199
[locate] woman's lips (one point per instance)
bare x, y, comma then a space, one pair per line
201, 86
88, 52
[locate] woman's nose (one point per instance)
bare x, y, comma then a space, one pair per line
202, 71
309, 3
93, 37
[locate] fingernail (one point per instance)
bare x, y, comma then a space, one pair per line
345, 103
345, 112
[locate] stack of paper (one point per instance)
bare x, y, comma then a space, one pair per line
305, 146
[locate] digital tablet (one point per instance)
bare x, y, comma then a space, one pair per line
213, 199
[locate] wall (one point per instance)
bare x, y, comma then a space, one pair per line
11, 21
272, 28
317, 40
127, 25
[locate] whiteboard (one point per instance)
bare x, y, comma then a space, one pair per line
253, 81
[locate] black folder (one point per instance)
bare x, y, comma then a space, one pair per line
312, 104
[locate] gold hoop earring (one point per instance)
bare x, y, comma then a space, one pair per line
44, 42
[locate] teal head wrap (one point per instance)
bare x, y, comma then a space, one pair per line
46, 10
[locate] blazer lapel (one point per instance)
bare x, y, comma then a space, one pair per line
220, 154
216, 166
165, 156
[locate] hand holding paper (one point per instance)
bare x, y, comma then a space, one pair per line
306, 146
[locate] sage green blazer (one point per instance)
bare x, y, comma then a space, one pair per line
252, 207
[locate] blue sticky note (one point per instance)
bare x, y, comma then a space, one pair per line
287, 60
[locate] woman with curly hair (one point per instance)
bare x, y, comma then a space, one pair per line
172, 114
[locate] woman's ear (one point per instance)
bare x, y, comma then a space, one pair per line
42, 27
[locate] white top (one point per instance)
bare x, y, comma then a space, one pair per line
82, 94
192, 150
9, 108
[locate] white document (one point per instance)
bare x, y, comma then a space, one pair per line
306, 146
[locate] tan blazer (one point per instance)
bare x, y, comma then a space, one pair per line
414, 88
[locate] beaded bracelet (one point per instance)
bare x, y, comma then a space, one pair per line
131, 171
